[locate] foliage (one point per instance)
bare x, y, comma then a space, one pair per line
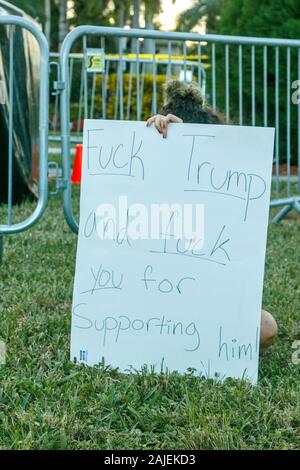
208, 9
33, 8
113, 104
96, 12
111, 87
266, 18
92, 12
36, 9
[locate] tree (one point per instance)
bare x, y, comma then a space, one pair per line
269, 18
48, 21
96, 12
62, 22
39, 10
34, 8
208, 9
136, 13
152, 8
120, 14
264, 18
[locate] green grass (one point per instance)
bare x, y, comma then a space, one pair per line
48, 403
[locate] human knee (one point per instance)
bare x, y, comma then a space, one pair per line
269, 329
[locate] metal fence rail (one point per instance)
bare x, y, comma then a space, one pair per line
12, 23
121, 65
248, 79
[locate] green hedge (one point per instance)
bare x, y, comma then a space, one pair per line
146, 84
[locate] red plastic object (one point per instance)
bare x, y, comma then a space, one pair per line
76, 173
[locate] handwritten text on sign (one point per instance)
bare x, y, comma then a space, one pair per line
171, 247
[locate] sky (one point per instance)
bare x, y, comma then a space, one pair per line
170, 11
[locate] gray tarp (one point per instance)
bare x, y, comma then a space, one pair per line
25, 109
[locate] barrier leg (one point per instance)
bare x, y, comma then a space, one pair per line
297, 205
282, 214
1, 248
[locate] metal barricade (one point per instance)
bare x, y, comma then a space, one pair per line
11, 24
238, 75
112, 63
242, 74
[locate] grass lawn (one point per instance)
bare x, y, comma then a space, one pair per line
48, 403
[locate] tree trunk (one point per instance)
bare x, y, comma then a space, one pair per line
136, 13
135, 21
149, 43
121, 14
48, 21
62, 26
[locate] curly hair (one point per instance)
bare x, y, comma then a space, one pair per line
185, 100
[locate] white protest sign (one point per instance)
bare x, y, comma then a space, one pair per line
171, 247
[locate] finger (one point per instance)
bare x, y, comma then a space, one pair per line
151, 120
173, 118
165, 127
169, 118
165, 123
158, 123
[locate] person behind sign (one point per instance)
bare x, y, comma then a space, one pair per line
184, 103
